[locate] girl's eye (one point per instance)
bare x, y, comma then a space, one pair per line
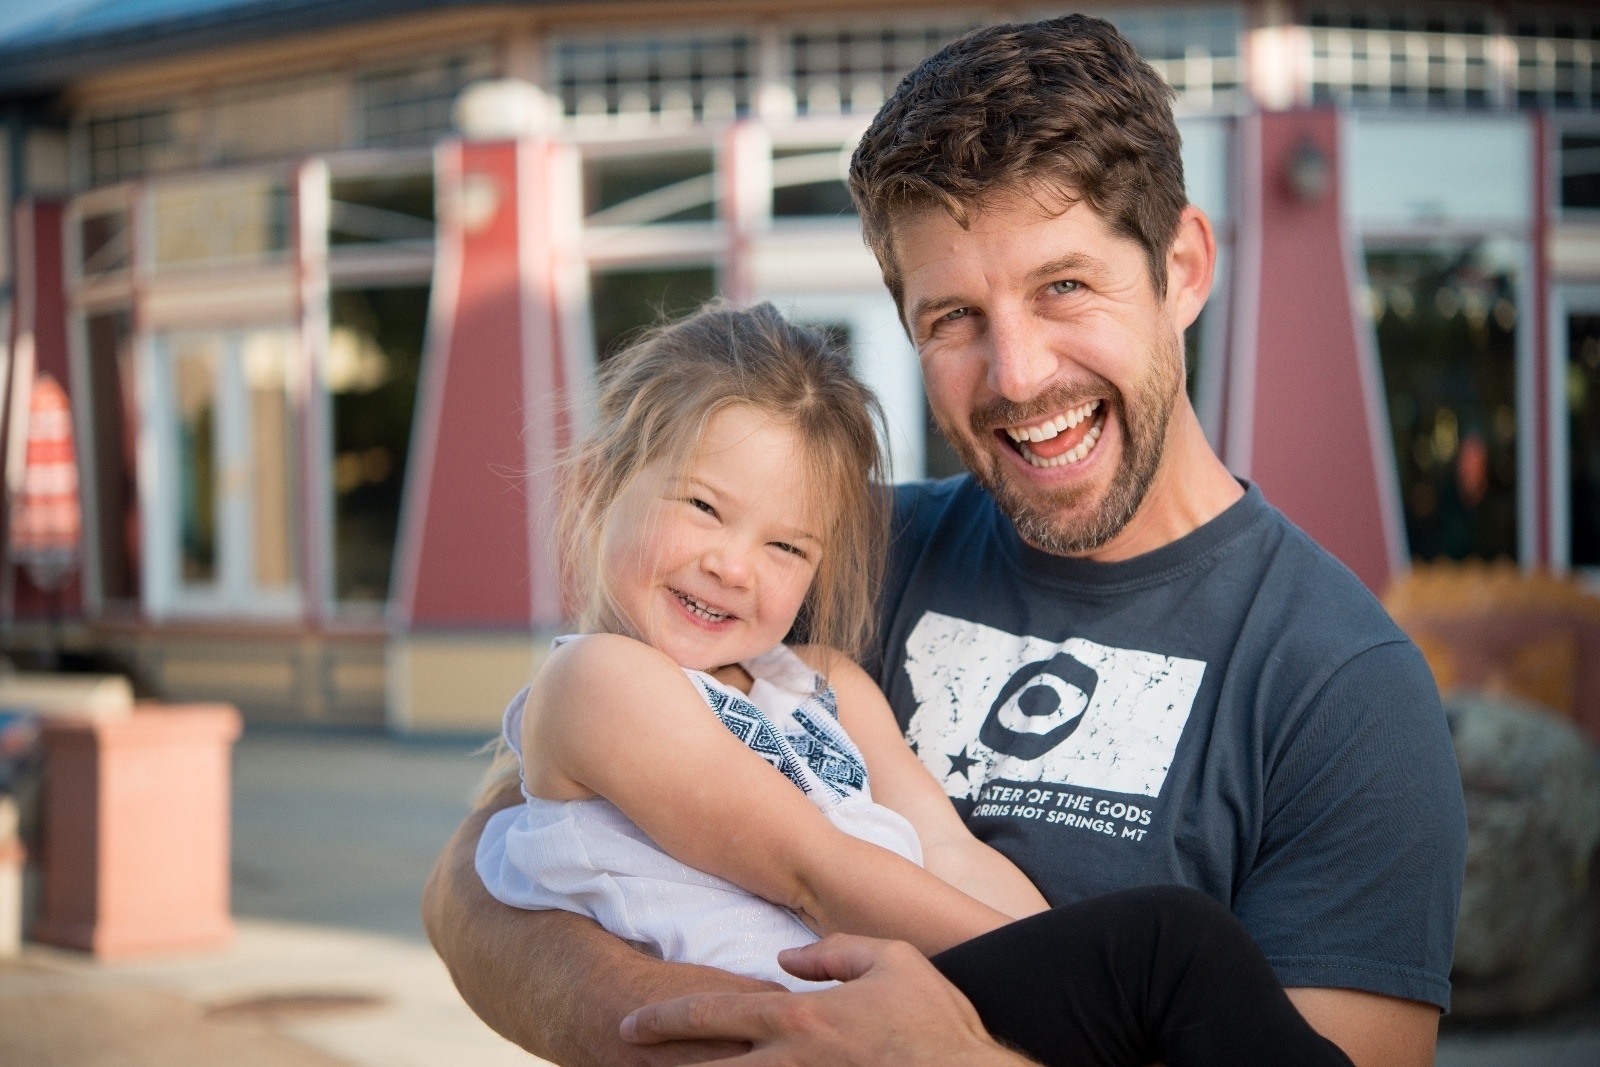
701, 505
793, 550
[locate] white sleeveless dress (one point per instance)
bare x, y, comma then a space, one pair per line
586, 856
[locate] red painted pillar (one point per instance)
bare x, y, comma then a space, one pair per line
1307, 418
474, 550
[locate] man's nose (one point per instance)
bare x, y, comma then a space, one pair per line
1020, 363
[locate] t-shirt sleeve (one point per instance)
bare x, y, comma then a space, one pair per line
1358, 876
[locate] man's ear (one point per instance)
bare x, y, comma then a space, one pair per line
1191, 262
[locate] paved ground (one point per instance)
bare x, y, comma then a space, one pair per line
333, 838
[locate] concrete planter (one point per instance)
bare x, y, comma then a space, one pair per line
136, 831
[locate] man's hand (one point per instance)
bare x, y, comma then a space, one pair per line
894, 1008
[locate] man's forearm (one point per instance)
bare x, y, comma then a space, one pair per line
552, 982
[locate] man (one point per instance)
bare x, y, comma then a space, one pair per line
1124, 666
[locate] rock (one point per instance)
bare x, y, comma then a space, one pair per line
1530, 909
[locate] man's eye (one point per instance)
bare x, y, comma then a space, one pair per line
1064, 287
958, 313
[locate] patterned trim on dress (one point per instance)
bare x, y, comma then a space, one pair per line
813, 753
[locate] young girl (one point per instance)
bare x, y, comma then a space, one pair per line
705, 790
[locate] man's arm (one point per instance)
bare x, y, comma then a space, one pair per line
893, 1008
553, 982
1374, 1031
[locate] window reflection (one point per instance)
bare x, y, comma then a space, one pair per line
381, 209
626, 301
109, 337
374, 359
1580, 170
635, 190
1583, 436
810, 182
225, 220
1446, 320
194, 389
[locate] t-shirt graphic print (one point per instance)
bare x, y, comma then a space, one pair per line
992, 705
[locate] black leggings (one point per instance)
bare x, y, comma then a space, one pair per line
1154, 975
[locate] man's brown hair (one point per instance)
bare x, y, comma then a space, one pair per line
1063, 110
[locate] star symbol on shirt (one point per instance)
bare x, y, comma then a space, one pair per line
960, 762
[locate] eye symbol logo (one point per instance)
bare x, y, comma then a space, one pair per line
1039, 707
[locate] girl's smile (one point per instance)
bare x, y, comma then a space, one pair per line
710, 564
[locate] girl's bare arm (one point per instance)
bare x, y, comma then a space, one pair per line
618, 719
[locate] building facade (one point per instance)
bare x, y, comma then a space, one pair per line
326, 282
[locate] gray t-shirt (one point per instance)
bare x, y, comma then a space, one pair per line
1233, 712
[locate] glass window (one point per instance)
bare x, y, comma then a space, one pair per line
655, 76
1580, 170
227, 523
194, 389
381, 209
270, 459
1196, 50
810, 182
105, 243
1583, 437
115, 422
374, 360
1446, 321
851, 69
637, 189
1557, 58
628, 300
129, 144
1406, 172
223, 220
411, 104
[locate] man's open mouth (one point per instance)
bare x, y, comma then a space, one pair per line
1067, 438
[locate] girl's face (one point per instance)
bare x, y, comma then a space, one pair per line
710, 564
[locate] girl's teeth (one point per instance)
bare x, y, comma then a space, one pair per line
701, 609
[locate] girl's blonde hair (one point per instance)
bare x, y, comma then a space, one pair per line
655, 399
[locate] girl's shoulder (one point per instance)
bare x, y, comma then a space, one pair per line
601, 662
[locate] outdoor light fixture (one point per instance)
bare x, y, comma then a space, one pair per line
1308, 171
502, 109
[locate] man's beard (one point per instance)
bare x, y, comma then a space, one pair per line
1056, 521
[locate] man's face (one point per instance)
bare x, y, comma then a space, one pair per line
1050, 363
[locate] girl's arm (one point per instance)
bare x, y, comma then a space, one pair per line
613, 717
900, 781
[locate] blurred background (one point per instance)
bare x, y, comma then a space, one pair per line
299, 298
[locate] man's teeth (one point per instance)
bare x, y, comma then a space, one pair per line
701, 608
1071, 455
1060, 424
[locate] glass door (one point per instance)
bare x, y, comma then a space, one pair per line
224, 513
1575, 431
